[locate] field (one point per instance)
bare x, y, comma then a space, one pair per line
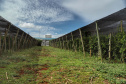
48, 65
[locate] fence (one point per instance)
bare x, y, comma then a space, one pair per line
13, 39
106, 36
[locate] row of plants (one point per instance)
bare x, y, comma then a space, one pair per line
118, 45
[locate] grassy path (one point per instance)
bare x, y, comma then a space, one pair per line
64, 67
47, 65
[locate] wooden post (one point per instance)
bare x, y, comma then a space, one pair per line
56, 43
110, 47
79, 46
63, 42
99, 45
90, 51
30, 42
67, 43
73, 42
15, 40
4, 41
0, 44
24, 42
121, 25
9, 43
59, 43
82, 41
20, 41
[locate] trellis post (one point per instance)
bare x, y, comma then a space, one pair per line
110, 47
99, 45
24, 41
67, 43
73, 42
4, 41
63, 42
15, 40
20, 40
90, 51
0, 44
121, 25
82, 41
9, 43
59, 43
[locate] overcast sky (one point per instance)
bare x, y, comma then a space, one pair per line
56, 17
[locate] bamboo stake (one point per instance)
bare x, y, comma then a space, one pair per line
110, 47
0, 44
29, 42
67, 43
122, 57
24, 41
82, 41
6, 32
9, 43
20, 40
56, 43
63, 43
99, 45
121, 25
5, 41
90, 51
59, 43
6, 76
79, 46
73, 42
15, 40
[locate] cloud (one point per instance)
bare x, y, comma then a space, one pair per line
38, 30
11, 9
92, 10
27, 25
36, 11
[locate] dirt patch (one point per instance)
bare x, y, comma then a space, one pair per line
40, 74
106, 82
44, 55
44, 68
21, 72
44, 82
2, 67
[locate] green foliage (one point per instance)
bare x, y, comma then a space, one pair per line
118, 45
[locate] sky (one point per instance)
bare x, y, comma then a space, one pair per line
56, 17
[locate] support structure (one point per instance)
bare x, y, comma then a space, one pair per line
99, 44
4, 41
0, 44
73, 42
121, 24
19, 44
15, 40
82, 41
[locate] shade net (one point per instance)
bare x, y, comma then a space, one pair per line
12, 30
106, 25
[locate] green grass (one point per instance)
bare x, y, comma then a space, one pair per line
42, 65
73, 68
20, 67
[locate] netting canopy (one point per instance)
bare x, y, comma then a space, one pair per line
12, 30
109, 24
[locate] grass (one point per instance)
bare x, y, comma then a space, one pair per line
48, 65
73, 68
20, 67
